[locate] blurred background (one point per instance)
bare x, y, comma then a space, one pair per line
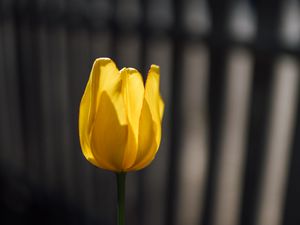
230, 152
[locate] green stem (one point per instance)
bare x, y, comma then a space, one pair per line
121, 178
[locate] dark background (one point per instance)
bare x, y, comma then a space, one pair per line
231, 131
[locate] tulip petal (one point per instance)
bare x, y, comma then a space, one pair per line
106, 77
153, 98
133, 94
109, 136
161, 108
150, 121
84, 134
147, 143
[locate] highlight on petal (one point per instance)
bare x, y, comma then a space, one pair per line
106, 77
133, 95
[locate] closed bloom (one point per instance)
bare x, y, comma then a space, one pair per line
120, 117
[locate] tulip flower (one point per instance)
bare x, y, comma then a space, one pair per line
120, 118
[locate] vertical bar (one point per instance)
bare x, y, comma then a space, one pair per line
259, 113
218, 53
159, 51
280, 128
193, 163
156, 48
233, 138
266, 41
176, 116
215, 110
291, 214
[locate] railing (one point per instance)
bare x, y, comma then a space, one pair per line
230, 80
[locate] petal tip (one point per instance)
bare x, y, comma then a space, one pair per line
123, 70
132, 70
129, 71
155, 68
103, 60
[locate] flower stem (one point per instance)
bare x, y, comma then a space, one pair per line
121, 178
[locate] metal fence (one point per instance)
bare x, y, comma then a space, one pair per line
231, 133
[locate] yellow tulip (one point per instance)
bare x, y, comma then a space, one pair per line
120, 118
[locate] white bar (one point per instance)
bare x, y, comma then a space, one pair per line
280, 133
233, 139
193, 158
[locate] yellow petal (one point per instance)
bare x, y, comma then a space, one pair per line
147, 144
133, 95
153, 98
84, 132
109, 136
150, 121
104, 77
161, 108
